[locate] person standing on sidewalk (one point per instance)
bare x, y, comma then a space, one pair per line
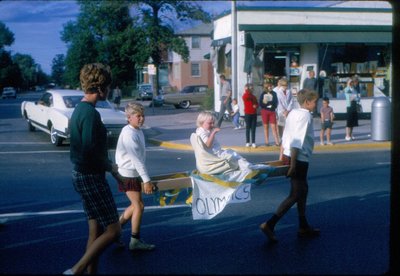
226, 96
250, 114
285, 105
298, 144
89, 156
268, 103
130, 155
117, 97
235, 114
352, 100
327, 118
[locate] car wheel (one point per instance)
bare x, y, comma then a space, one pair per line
184, 104
55, 139
30, 126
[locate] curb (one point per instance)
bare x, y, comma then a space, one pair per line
317, 148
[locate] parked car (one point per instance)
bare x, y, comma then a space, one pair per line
52, 114
145, 92
189, 95
9, 92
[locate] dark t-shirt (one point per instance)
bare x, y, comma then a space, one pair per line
88, 148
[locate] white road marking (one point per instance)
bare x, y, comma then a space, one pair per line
62, 212
34, 152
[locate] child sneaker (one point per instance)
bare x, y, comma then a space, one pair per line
136, 244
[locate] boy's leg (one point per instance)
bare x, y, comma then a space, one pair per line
136, 209
328, 135
321, 136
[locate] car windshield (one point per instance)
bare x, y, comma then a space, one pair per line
187, 89
72, 101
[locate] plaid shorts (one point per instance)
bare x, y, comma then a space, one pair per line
97, 199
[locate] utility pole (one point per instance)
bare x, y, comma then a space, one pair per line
234, 51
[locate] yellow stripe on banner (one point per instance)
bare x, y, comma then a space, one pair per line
223, 183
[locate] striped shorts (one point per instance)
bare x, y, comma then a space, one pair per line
97, 199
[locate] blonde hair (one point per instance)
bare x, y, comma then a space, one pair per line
306, 94
95, 77
204, 116
283, 82
134, 108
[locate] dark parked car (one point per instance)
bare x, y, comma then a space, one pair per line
189, 95
145, 92
9, 92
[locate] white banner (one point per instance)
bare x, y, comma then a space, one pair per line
210, 198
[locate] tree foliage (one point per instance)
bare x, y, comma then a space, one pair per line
6, 36
106, 32
19, 70
103, 33
158, 26
58, 69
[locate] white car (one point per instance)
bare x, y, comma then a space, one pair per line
52, 114
9, 92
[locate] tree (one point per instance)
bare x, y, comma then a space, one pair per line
9, 72
103, 33
6, 36
158, 27
28, 69
58, 69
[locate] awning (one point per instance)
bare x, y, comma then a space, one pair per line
221, 42
320, 37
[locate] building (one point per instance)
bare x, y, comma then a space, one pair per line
198, 71
337, 42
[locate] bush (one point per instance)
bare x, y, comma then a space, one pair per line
208, 103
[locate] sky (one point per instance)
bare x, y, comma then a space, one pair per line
37, 24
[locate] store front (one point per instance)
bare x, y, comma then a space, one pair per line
334, 52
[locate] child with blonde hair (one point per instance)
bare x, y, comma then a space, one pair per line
130, 156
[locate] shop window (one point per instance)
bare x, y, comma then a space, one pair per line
369, 62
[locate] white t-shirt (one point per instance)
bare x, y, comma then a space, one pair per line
204, 135
130, 154
299, 133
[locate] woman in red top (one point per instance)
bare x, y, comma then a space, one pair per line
250, 114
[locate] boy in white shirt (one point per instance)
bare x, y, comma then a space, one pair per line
298, 145
130, 156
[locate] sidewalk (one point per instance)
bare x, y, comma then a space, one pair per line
169, 127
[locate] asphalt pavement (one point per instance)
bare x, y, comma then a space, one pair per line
169, 127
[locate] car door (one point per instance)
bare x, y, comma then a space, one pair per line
198, 95
41, 112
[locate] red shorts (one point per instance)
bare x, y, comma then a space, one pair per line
268, 117
130, 184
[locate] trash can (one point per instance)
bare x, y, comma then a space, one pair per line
381, 119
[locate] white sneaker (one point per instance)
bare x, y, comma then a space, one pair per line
235, 128
322, 144
247, 145
136, 244
253, 145
347, 138
68, 272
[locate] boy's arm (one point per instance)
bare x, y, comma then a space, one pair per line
210, 139
292, 167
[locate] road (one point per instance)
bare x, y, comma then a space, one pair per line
46, 230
